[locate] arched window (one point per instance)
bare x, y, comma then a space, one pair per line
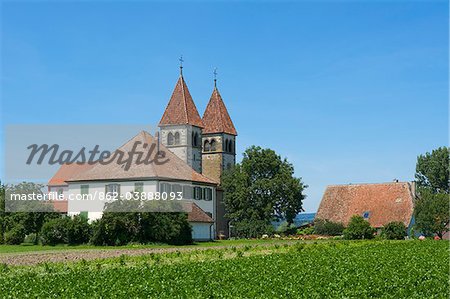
206, 146
194, 139
170, 139
213, 145
177, 138
231, 146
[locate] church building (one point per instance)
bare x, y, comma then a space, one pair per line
198, 150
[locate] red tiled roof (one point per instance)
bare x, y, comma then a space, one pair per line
216, 118
198, 215
60, 205
67, 171
174, 168
384, 203
181, 108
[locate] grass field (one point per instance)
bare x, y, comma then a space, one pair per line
368, 269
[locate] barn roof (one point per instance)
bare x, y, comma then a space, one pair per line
378, 203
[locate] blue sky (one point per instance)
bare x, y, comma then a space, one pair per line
348, 91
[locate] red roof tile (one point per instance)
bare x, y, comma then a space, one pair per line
198, 215
174, 168
60, 205
216, 118
181, 108
384, 203
67, 171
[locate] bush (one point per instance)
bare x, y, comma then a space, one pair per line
78, 231
328, 228
30, 239
114, 229
252, 228
286, 229
306, 231
394, 231
15, 235
144, 227
55, 231
358, 228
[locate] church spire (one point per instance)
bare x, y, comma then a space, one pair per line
215, 77
181, 65
216, 118
181, 109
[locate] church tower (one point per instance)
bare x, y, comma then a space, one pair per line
219, 138
181, 126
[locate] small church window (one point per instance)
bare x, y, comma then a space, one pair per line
170, 139
206, 146
187, 192
165, 188
197, 193
176, 188
112, 190
228, 145
213, 145
177, 138
194, 139
139, 187
207, 194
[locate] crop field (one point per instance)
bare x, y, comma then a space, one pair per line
341, 269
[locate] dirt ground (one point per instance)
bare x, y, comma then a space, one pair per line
33, 258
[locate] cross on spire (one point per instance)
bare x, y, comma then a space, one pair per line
181, 65
215, 77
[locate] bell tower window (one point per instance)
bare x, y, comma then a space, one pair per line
170, 139
206, 146
213, 145
177, 138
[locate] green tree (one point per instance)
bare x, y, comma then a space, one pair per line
432, 170
328, 228
2, 213
358, 228
31, 214
432, 213
431, 210
260, 189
